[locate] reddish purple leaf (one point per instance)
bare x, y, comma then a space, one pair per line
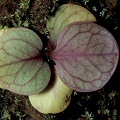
86, 56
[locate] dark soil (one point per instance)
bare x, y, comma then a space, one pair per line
33, 14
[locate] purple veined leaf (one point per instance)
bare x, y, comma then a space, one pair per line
22, 68
86, 56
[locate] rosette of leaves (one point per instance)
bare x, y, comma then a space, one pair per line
85, 54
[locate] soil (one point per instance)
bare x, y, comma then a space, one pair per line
103, 104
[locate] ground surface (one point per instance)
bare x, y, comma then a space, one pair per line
100, 105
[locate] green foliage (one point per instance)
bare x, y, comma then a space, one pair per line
22, 68
25, 5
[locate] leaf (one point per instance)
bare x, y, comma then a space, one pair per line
22, 68
86, 56
54, 99
65, 15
